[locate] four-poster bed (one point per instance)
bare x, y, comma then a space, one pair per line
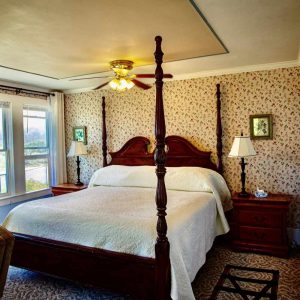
142, 277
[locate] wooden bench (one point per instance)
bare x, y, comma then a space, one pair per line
6, 248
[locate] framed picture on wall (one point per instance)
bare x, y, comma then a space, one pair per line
261, 127
79, 134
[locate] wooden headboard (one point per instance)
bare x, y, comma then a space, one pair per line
133, 153
180, 152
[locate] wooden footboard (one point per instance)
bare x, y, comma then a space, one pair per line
108, 270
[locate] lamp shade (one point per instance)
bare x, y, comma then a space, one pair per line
77, 148
242, 147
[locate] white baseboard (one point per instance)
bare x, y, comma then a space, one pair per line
294, 235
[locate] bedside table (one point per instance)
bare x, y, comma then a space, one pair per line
260, 224
66, 188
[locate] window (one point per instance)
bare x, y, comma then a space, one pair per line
36, 148
4, 158
24, 148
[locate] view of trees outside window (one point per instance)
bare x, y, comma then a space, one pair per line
36, 148
3, 153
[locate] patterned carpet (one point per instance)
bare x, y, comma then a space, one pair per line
207, 277
22, 284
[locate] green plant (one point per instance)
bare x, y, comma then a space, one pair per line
33, 185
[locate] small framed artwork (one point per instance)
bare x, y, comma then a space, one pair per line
79, 134
261, 127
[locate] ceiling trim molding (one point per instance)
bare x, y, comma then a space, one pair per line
107, 71
208, 25
82, 90
140, 66
242, 69
31, 73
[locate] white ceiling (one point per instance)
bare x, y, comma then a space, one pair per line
66, 38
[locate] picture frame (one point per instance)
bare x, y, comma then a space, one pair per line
79, 134
261, 127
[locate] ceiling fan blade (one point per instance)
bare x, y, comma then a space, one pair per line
90, 78
101, 86
141, 84
144, 75
152, 76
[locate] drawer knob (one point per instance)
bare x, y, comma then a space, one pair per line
259, 236
259, 219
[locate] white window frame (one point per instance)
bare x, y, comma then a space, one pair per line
16, 157
41, 156
6, 144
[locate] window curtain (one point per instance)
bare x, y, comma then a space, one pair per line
57, 140
4, 104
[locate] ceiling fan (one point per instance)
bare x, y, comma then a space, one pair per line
122, 80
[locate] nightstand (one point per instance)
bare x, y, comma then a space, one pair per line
260, 224
66, 188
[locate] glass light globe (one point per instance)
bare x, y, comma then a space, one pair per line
114, 84
130, 84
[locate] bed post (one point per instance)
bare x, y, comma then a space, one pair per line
104, 136
162, 246
219, 131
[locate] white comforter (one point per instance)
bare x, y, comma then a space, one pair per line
123, 219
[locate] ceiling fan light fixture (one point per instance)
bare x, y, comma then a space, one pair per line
121, 84
122, 64
130, 84
121, 72
122, 80
121, 67
114, 83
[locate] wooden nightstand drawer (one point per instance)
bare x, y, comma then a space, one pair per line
259, 235
256, 218
260, 224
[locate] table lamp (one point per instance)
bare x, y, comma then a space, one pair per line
242, 147
77, 149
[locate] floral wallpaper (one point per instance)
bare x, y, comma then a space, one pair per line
190, 109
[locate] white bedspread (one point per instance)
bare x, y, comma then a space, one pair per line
123, 219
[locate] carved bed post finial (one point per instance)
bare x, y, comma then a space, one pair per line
162, 246
104, 136
219, 131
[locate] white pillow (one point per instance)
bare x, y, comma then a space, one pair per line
134, 176
193, 179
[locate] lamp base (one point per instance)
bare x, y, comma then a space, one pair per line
244, 195
78, 183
